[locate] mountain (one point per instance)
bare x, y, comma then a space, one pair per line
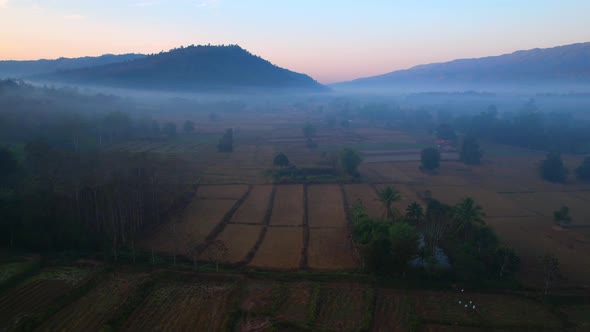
568, 64
21, 69
190, 68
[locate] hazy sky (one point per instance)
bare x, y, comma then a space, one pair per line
331, 40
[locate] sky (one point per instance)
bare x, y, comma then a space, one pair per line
330, 40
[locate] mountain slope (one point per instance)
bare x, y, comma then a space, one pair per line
21, 69
194, 67
563, 64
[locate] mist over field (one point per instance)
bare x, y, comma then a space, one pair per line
303, 167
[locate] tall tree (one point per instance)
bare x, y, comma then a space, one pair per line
438, 216
470, 151
465, 214
281, 160
387, 196
562, 216
430, 159
350, 160
507, 261
552, 168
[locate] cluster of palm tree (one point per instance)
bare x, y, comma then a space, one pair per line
463, 215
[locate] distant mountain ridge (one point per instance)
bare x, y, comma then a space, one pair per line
190, 68
562, 64
22, 69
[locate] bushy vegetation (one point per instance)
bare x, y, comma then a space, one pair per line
529, 128
471, 153
350, 160
281, 160
552, 168
472, 247
386, 247
430, 159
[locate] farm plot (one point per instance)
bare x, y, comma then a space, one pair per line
296, 305
394, 312
189, 230
92, 311
239, 239
533, 237
343, 307
545, 203
184, 306
254, 208
222, 192
281, 248
493, 204
330, 248
514, 175
266, 302
491, 310
366, 194
38, 294
260, 297
288, 206
384, 172
325, 206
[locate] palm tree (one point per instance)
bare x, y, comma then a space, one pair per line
467, 213
387, 196
414, 212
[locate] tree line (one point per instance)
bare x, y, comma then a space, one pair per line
62, 187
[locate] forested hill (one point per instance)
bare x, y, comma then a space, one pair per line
568, 64
191, 68
22, 69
